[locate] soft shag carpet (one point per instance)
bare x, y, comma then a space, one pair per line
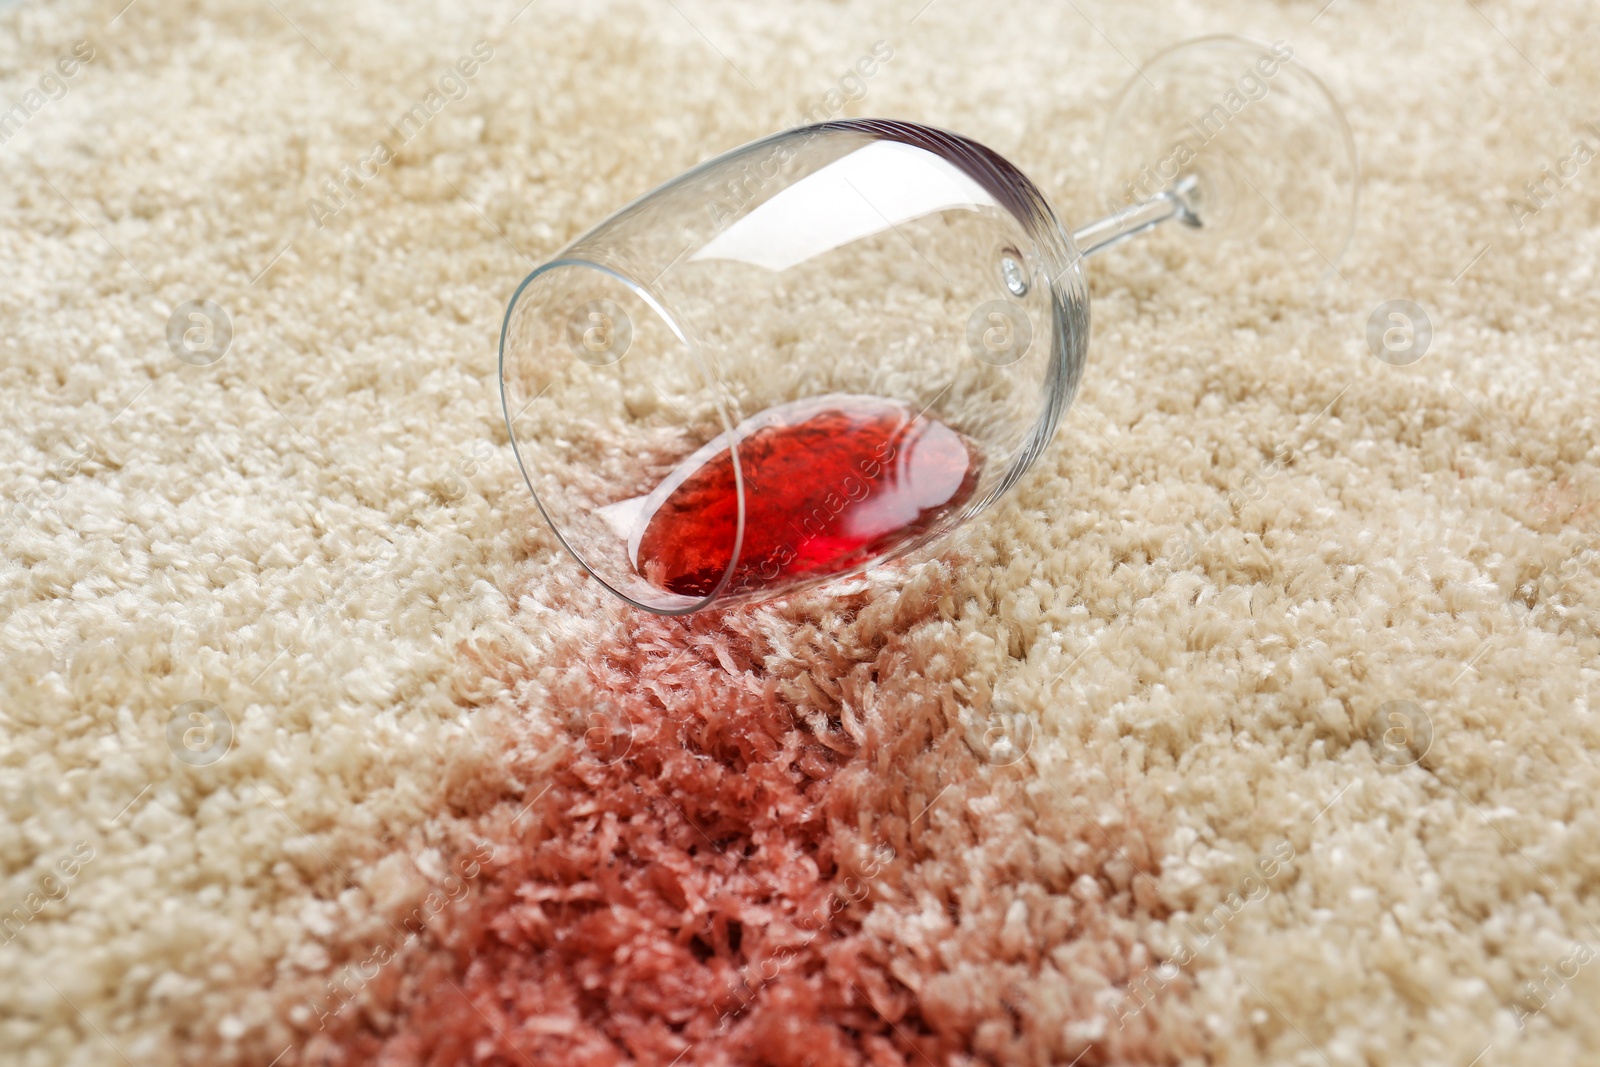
1256, 726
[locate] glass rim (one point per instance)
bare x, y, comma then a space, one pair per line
672, 323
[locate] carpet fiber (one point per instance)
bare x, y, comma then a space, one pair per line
1254, 726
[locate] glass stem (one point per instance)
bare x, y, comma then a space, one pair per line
1177, 202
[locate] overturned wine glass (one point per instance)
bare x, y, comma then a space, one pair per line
830, 347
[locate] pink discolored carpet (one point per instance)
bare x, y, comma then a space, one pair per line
741, 856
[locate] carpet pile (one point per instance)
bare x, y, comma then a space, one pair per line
1256, 725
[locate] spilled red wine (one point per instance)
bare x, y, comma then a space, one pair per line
829, 484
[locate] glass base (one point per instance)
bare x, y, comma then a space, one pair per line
1264, 148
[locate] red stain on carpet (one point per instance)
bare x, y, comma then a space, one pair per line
769, 847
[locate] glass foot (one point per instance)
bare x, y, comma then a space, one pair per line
1256, 140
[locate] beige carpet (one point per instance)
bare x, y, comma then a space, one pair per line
308, 736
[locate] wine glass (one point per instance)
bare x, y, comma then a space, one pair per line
830, 347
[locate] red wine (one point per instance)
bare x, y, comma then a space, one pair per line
829, 484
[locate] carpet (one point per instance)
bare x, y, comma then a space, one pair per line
1254, 726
